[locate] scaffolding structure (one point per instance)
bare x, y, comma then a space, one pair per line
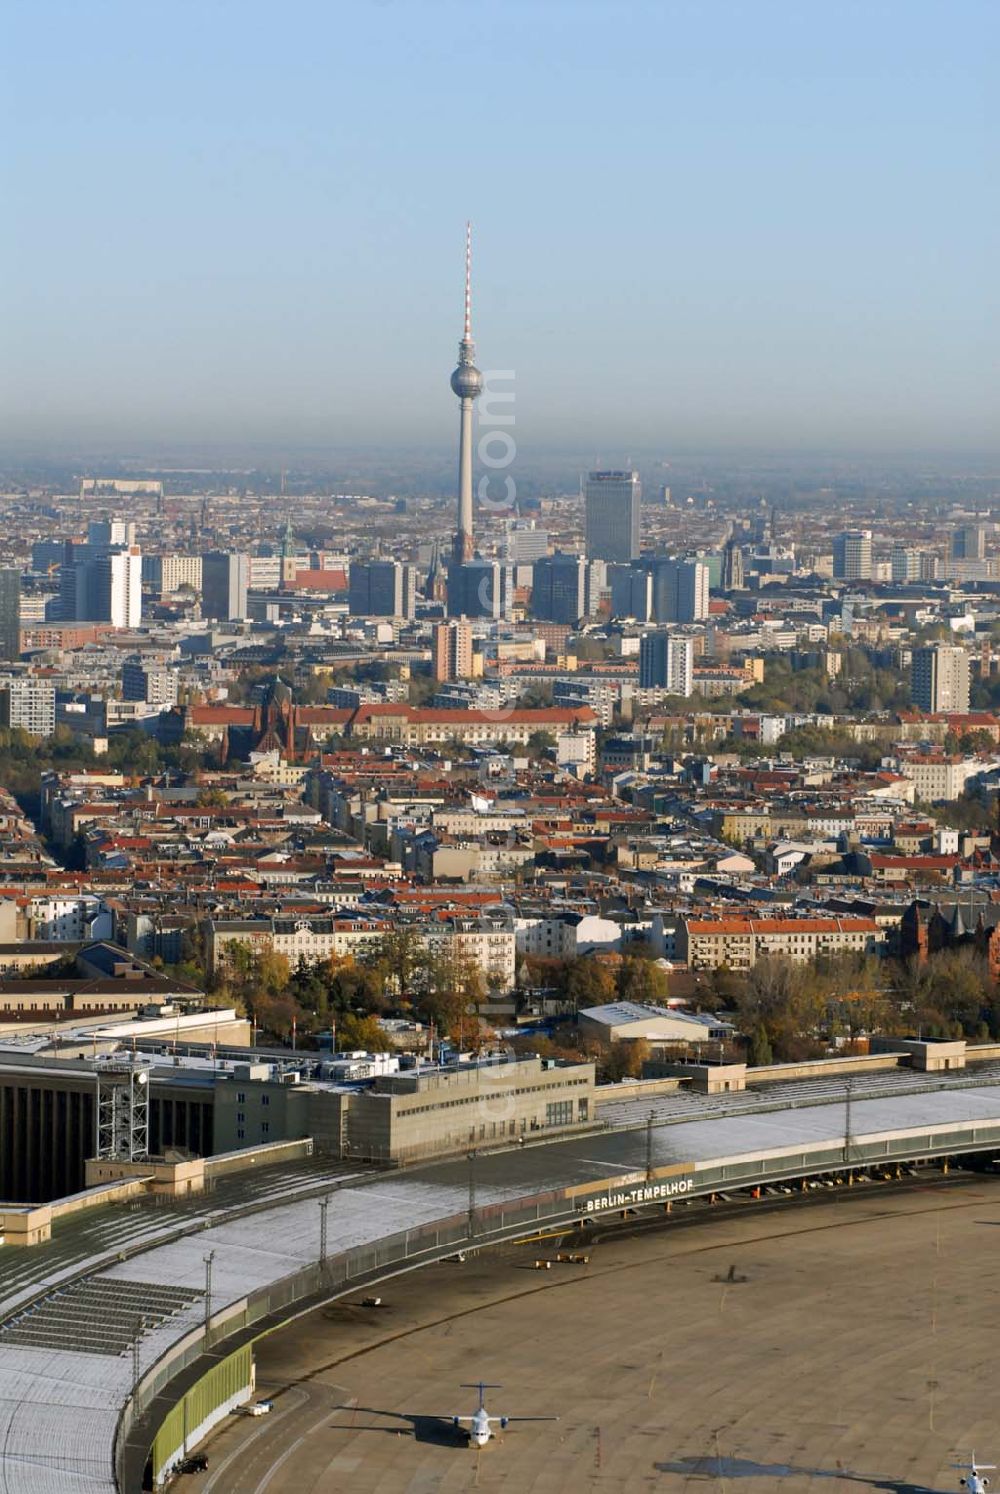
122, 1111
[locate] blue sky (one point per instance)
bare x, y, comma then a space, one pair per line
697, 224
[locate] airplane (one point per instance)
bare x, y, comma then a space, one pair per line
480, 1423
974, 1483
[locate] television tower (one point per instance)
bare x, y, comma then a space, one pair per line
467, 382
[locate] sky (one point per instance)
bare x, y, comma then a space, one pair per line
699, 224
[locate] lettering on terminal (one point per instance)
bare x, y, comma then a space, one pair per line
646, 1193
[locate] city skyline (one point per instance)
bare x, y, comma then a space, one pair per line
807, 265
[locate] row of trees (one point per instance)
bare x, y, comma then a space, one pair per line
587, 981
789, 1011
436, 984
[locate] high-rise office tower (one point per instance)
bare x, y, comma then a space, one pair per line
692, 591
631, 591
559, 588
852, 555
117, 588
525, 542
968, 542
595, 586
733, 569
381, 588
99, 583
467, 383
666, 661
904, 565
613, 508
453, 650
10, 614
107, 534
225, 578
480, 588
680, 590
168, 573
939, 678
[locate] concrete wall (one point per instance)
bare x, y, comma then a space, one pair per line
929, 1057
640, 1089
828, 1068
258, 1156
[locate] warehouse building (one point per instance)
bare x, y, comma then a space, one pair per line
630, 1020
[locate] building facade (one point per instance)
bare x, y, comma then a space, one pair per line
852, 555
613, 515
225, 579
939, 678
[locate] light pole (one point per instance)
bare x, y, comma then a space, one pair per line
472, 1194
324, 1204
209, 1258
140, 1328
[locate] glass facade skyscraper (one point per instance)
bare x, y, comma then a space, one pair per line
613, 503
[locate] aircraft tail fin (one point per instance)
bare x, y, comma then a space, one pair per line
482, 1386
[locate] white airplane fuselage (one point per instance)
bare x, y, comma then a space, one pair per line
480, 1431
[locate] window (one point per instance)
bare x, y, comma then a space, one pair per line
241, 1098
240, 1117
559, 1113
240, 1134
265, 1128
265, 1099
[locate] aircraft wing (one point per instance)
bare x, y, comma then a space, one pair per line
507, 1419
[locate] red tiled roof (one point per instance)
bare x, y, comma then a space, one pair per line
320, 580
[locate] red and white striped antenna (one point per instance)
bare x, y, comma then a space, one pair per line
468, 282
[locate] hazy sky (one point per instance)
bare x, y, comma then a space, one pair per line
697, 224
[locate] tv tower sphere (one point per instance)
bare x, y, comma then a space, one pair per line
467, 381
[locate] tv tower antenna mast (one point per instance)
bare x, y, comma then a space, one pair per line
467, 383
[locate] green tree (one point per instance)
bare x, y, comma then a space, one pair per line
585, 982
641, 980
359, 1032
784, 998
759, 1052
400, 958
453, 993
539, 743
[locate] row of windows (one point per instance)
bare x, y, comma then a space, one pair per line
488, 1096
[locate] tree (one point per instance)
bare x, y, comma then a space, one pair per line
585, 982
358, 1032
278, 1014
641, 980
624, 1059
539, 743
760, 1047
784, 999
400, 958
453, 993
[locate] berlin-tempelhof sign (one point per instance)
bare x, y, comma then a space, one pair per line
635, 1189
